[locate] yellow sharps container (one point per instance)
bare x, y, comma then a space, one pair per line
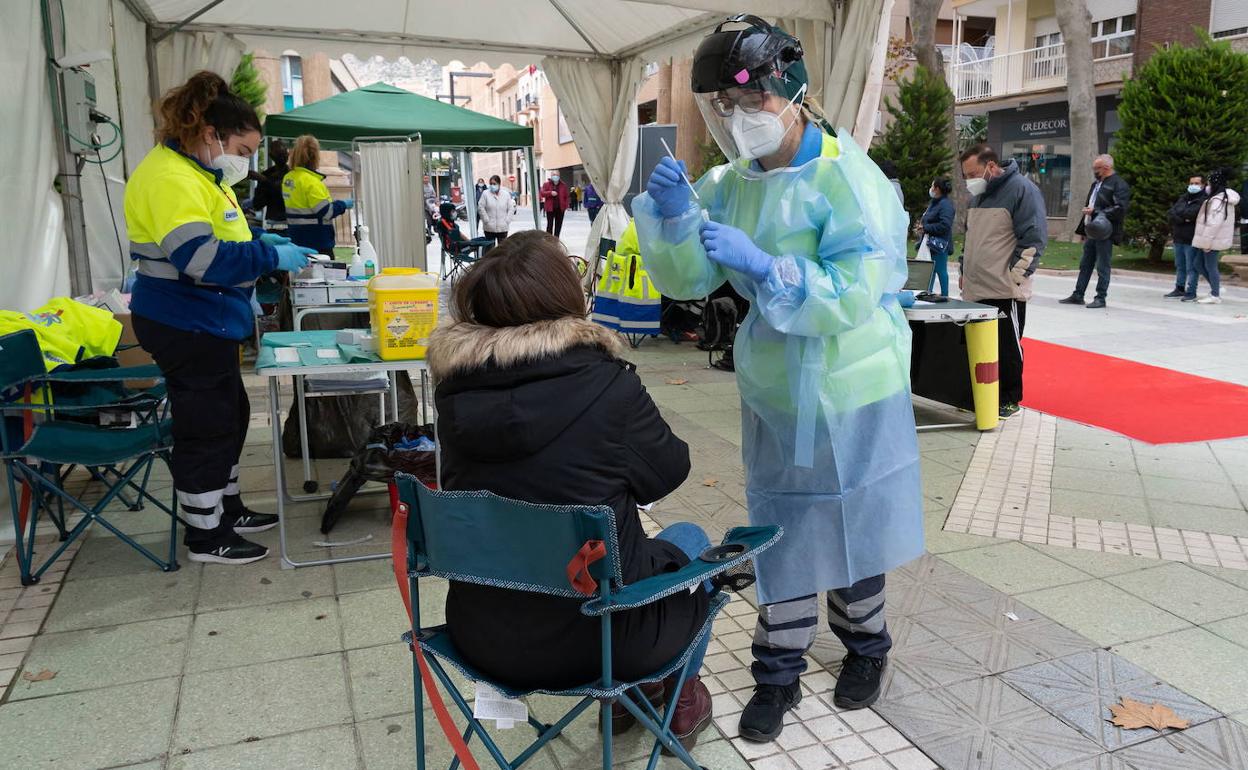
403, 310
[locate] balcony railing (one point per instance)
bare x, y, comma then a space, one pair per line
974, 77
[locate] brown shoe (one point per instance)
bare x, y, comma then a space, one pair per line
622, 720
693, 713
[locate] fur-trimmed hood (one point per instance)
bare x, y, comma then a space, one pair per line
461, 347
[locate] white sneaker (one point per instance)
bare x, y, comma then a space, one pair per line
1212, 299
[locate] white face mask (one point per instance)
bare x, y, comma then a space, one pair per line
1194, 188
977, 186
760, 134
233, 168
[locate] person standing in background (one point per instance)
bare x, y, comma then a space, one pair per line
593, 204
268, 195
574, 199
1182, 216
310, 210
479, 187
1215, 231
555, 201
937, 227
495, 209
1006, 232
1109, 195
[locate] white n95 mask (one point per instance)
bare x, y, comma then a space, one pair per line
976, 186
233, 168
760, 134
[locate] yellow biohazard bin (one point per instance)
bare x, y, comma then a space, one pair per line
403, 310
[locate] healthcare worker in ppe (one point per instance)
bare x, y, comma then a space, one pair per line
197, 262
807, 228
310, 210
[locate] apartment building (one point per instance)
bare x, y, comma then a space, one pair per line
1009, 63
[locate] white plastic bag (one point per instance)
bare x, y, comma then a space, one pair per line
924, 253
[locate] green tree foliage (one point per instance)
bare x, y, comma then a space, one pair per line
710, 156
1185, 112
248, 85
917, 139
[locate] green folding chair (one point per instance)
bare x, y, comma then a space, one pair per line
479, 537
43, 437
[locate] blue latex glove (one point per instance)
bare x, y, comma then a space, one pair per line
349, 203
906, 298
733, 249
292, 258
668, 189
273, 239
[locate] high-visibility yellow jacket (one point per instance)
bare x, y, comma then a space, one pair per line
310, 209
197, 261
68, 331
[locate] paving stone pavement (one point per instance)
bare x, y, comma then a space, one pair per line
1000, 658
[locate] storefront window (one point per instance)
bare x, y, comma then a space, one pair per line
1047, 163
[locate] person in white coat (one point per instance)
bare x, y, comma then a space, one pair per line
495, 208
1215, 231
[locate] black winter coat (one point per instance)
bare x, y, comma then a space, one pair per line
1182, 216
548, 414
1113, 200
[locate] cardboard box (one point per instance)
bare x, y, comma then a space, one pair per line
348, 291
135, 356
309, 295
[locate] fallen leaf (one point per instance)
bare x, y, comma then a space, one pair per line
42, 676
678, 382
709, 482
1132, 715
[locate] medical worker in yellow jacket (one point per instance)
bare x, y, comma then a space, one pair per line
310, 210
805, 226
197, 262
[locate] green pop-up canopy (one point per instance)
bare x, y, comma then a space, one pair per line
381, 110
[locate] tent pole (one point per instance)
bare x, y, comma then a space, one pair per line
470, 199
533, 189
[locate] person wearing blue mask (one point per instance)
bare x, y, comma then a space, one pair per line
197, 264
495, 209
807, 228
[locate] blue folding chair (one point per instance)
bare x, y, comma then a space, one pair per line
39, 455
479, 537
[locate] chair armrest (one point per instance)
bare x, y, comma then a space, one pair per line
754, 540
118, 374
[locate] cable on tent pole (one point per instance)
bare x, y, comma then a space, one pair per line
187, 20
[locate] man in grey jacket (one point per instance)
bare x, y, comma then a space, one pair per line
1110, 196
1006, 232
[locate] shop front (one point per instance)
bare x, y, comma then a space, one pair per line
1038, 137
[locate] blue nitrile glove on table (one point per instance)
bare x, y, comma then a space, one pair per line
668, 189
733, 249
906, 298
273, 239
349, 203
292, 258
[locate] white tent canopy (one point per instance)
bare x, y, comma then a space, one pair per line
612, 38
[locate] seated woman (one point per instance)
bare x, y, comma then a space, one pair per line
453, 240
535, 404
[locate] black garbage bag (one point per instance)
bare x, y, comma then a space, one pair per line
377, 460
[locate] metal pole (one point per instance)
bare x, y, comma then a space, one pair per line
470, 199
533, 189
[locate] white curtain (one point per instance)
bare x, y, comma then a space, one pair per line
599, 100
130, 61
35, 263
182, 54
391, 201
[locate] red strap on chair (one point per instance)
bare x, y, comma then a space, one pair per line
578, 568
28, 429
398, 553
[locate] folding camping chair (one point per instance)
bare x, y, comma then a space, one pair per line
38, 456
569, 551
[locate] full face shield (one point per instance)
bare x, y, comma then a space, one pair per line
749, 84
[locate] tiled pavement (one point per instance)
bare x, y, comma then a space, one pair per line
1000, 658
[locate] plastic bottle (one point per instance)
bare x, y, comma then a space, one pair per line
356, 271
370, 268
366, 247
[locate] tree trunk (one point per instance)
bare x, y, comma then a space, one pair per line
1076, 25
923, 14
1156, 248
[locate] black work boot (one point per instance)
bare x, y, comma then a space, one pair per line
860, 681
763, 718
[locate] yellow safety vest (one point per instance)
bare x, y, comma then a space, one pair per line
68, 331
306, 197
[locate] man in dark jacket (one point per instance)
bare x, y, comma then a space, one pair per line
1182, 216
269, 186
1109, 195
1006, 232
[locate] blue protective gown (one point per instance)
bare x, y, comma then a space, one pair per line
822, 359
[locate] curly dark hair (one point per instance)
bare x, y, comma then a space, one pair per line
204, 100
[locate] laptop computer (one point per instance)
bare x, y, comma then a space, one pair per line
919, 275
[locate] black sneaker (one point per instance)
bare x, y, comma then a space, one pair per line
1175, 294
1007, 411
248, 521
228, 549
1189, 297
763, 718
1096, 304
1073, 299
859, 683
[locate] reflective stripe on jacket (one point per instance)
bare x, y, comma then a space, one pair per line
310, 209
197, 261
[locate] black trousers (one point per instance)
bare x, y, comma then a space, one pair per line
496, 237
1010, 347
554, 222
1096, 254
210, 416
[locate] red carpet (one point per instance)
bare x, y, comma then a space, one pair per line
1160, 406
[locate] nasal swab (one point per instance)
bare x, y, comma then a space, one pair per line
671, 155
